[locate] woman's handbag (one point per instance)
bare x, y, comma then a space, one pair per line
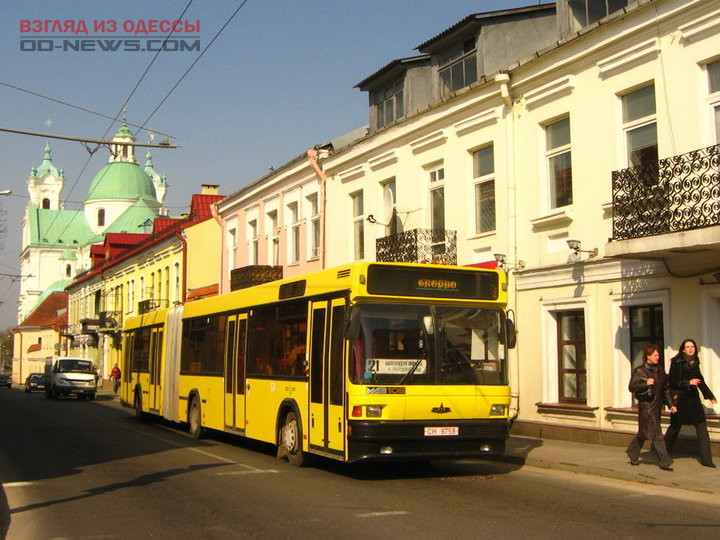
648, 394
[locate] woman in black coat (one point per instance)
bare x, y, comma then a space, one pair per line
650, 374
685, 381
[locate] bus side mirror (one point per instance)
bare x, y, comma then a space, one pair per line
510, 334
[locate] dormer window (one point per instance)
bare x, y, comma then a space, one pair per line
458, 67
46, 204
388, 103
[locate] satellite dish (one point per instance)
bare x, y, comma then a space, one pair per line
388, 207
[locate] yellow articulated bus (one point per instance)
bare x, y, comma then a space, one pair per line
368, 361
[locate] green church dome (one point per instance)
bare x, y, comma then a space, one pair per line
121, 180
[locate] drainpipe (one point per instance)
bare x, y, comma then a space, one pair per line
503, 80
314, 155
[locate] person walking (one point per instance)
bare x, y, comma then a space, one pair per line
650, 379
686, 384
115, 378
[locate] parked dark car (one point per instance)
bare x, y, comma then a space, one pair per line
34, 381
6, 380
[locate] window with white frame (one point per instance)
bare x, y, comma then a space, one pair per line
178, 297
274, 233
388, 103
572, 361
436, 178
458, 67
640, 127
394, 226
484, 175
358, 212
253, 240
713, 71
314, 211
557, 151
294, 232
231, 248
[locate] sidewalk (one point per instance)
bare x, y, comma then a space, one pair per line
612, 462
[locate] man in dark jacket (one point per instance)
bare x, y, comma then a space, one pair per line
686, 383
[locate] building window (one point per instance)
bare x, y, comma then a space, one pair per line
178, 297
314, 211
294, 219
484, 175
231, 246
253, 242
639, 124
646, 327
101, 217
587, 12
388, 104
557, 148
394, 225
68, 271
714, 84
274, 238
458, 67
358, 212
571, 356
437, 198
46, 204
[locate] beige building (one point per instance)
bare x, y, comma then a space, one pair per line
576, 146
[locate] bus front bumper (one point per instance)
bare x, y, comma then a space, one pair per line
407, 440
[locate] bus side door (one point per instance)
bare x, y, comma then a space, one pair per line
235, 372
155, 367
327, 376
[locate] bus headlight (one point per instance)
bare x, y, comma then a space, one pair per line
373, 411
497, 410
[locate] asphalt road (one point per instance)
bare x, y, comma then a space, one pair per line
78, 469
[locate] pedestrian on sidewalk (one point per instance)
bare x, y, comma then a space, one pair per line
686, 384
650, 385
115, 378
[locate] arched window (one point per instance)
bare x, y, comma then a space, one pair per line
68, 270
46, 204
101, 217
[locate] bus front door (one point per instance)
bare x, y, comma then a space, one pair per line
327, 376
235, 372
155, 365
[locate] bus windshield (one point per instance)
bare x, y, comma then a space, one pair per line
426, 345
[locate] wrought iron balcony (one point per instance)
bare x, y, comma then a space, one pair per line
681, 193
419, 246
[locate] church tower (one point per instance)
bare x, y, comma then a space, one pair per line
46, 183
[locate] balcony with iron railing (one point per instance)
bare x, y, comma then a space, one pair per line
669, 212
438, 246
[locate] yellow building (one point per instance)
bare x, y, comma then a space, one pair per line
134, 274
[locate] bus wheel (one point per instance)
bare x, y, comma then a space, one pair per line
137, 405
194, 420
291, 441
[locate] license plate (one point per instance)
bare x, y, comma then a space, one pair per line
442, 431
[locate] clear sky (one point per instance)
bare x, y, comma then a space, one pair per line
277, 80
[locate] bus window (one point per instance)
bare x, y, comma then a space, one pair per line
203, 343
261, 350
